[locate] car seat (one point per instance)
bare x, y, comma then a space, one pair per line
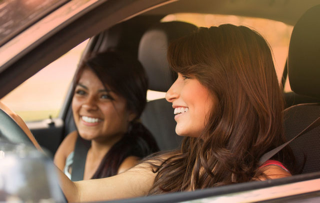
158, 116
304, 76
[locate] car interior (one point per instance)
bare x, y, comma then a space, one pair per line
150, 46
147, 38
304, 74
152, 51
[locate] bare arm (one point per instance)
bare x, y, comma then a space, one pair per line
128, 163
67, 146
274, 172
135, 182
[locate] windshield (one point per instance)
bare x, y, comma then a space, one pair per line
16, 15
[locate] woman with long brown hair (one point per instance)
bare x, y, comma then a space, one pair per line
243, 105
227, 103
109, 96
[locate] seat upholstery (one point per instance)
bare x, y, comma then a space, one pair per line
158, 116
304, 77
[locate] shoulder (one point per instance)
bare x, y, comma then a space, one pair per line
69, 142
67, 146
128, 163
274, 169
146, 165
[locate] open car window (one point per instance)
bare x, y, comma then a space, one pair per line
53, 96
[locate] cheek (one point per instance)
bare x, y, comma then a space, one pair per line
206, 114
114, 111
76, 104
205, 107
210, 106
108, 110
116, 118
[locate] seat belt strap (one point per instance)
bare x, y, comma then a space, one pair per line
271, 153
79, 159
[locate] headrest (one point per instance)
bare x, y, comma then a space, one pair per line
153, 52
304, 54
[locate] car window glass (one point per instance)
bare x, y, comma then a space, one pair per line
276, 33
42, 95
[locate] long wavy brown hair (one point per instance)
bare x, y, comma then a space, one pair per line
234, 63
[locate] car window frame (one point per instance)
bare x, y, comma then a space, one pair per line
36, 16
234, 190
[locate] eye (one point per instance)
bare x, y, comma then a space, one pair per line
80, 92
106, 96
185, 77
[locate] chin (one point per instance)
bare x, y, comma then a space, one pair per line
86, 136
180, 132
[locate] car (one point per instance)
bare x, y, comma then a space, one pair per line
38, 40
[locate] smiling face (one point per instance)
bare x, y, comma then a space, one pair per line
192, 103
99, 114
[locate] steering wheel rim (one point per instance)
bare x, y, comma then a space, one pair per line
11, 131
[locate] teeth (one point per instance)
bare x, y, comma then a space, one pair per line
90, 120
180, 110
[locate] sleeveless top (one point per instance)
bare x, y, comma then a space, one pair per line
274, 163
68, 165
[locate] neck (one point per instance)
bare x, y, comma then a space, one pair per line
99, 148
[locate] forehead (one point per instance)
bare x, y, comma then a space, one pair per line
88, 73
89, 78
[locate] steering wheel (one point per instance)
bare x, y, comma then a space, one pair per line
11, 131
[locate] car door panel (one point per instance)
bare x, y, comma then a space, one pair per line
48, 133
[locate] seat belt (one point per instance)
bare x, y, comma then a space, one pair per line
79, 158
271, 153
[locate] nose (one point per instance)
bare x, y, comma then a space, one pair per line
172, 94
90, 103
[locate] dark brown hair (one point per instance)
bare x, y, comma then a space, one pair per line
235, 64
126, 77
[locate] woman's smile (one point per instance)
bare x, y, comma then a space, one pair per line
90, 121
178, 111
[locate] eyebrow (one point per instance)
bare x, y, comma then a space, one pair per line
101, 90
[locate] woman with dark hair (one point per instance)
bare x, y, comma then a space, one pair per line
228, 105
109, 97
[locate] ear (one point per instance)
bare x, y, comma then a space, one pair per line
131, 116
